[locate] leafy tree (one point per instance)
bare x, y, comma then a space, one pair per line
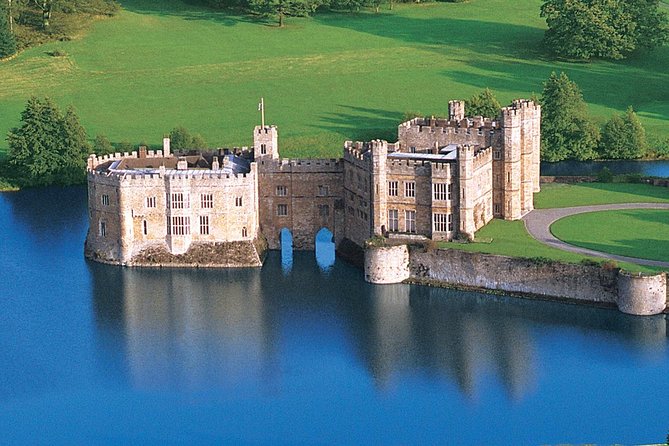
102, 145
125, 147
483, 104
48, 147
181, 139
566, 130
283, 8
623, 137
611, 29
7, 41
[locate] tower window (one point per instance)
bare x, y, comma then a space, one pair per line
263, 149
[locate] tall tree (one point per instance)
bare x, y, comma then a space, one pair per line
48, 147
566, 130
611, 29
283, 8
623, 137
483, 104
7, 41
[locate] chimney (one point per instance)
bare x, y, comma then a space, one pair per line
166, 147
142, 151
214, 164
182, 164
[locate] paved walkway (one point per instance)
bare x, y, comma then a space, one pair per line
539, 221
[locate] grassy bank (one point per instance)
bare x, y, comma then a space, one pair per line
325, 79
642, 233
556, 195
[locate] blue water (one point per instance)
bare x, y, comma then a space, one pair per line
645, 168
96, 354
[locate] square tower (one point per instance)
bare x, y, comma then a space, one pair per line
266, 142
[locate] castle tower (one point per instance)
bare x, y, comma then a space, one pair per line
465, 174
266, 142
511, 165
379, 192
456, 110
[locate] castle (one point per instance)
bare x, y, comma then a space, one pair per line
442, 179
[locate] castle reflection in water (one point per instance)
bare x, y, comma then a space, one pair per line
204, 329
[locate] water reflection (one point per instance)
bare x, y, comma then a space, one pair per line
286, 250
204, 329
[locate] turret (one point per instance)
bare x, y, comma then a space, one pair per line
266, 142
379, 191
456, 110
465, 173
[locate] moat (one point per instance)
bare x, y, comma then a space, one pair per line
299, 352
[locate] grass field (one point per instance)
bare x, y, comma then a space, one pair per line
558, 195
510, 238
325, 79
640, 233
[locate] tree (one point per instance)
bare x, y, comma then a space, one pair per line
48, 147
566, 130
181, 139
283, 8
611, 29
623, 137
483, 104
102, 145
7, 41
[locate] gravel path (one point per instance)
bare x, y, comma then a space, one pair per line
539, 221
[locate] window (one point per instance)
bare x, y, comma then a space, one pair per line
508, 177
180, 226
393, 220
103, 229
442, 222
440, 191
263, 149
145, 227
281, 191
206, 201
180, 201
245, 232
497, 209
105, 200
410, 221
323, 210
322, 191
282, 210
392, 188
410, 189
496, 155
150, 202
204, 224
449, 191
238, 201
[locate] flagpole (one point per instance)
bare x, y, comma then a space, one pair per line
262, 112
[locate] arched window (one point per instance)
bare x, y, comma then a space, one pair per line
245, 233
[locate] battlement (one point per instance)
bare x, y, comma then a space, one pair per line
306, 165
482, 157
95, 160
442, 125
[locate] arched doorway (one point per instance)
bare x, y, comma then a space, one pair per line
286, 239
325, 249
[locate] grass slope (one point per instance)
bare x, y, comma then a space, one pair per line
325, 79
642, 233
557, 195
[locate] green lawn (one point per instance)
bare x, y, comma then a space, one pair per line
325, 79
557, 195
510, 238
640, 233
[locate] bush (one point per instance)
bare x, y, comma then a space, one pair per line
609, 265
634, 178
605, 176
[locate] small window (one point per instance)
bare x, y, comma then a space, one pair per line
150, 202
238, 201
103, 229
410, 189
410, 221
204, 224
281, 191
263, 149
393, 220
282, 210
105, 200
392, 188
322, 191
497, 209
496, 155
508, 177
145, 227
206, 201
324, 210
245, 232
449, 191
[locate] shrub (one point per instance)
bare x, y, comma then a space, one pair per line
609, 265
605, 176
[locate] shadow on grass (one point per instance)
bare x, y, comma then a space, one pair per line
362, 123
640, 248
189, 10
640, 190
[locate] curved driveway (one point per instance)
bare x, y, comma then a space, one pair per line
539, 221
